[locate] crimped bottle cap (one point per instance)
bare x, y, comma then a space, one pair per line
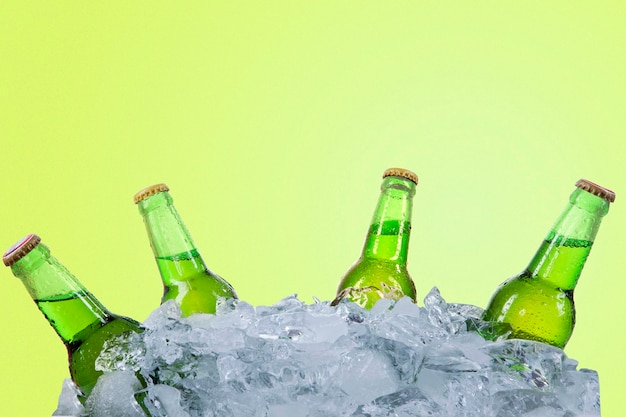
595, 189
401, 172
20, 249
148, 191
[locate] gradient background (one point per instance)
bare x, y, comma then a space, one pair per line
272, 124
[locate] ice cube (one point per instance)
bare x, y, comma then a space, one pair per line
68, 404
366, 374
114, 395
165, 401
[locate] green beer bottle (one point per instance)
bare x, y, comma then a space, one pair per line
538, 304
79, 319
185, 276
380, 271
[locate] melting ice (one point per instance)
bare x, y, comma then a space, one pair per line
298, 360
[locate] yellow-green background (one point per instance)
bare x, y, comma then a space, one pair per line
272, 123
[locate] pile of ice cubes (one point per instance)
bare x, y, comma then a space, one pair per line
312, 360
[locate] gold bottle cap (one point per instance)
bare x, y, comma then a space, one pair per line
595, 189
20, 249
401, 172
148, 191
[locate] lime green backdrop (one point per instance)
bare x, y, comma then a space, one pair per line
272, 123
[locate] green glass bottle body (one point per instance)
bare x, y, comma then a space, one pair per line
186, 278
538, 303
381, 270
80, 320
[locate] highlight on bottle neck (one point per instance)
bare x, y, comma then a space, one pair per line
22, 248
153, 197
590, 199
595, 189
399, 183
582, 216
166, 230
388, 235
44, 277
397, 192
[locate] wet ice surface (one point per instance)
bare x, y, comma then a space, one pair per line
313, 360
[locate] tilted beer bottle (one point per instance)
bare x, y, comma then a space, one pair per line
186, 279
380, 271
538, 304
79, 319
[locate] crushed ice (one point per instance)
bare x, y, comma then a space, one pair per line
298, 360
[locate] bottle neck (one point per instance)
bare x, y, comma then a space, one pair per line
390, 228
561, 257
71, 310
166, 231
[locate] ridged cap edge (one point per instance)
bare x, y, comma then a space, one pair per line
148, 191
595, 189
401, 172
20, 249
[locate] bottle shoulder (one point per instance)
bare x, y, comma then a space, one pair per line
108, 328
367, 271
83, 355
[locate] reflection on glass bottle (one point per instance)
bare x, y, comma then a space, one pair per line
186, 278
80, 320
538, 303
380, 271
